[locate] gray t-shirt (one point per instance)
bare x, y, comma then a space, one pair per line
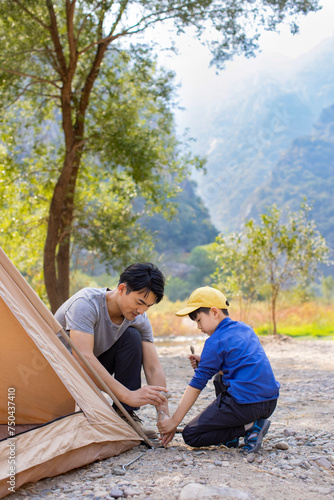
86, 311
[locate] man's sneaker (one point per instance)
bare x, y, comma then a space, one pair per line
254, 435
150, 433
234, 443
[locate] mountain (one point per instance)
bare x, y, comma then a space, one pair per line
306, 170
248, 121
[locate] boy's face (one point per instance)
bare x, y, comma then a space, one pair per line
207, 323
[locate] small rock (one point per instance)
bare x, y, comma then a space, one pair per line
323, 462
196, 491
251, 458
282, 445
62, 485
289, 400
296, 462
116, 493
100, 494
131, 492
289, 432
218, 463
321, 490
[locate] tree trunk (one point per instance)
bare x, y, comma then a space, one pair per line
273, 310
58, 239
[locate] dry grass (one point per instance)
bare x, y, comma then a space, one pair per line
314, 318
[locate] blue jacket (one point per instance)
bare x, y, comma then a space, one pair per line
235, 349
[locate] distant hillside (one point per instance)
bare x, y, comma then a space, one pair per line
190, 227
248, 124
305, 170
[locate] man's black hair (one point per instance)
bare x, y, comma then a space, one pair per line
144, 276
205, 310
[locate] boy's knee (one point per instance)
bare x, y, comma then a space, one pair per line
189, 437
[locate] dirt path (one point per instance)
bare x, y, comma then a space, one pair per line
295, 462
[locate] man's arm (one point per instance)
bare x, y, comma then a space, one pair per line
153, 371
146, 395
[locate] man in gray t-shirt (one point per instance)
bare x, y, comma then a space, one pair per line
112, 330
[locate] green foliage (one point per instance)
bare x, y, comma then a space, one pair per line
327, 286
281, 251
131, 152
202, 260
66, 60
199, 266
189, 227
177, 289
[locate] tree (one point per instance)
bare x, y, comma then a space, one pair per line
327, 286
290, 248
56, 53
279, 252
240, 270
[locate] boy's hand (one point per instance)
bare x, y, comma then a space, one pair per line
166, 426
194, 360
167, 429
166, 438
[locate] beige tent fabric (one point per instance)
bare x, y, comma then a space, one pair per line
64, 445
24, 368
48, 382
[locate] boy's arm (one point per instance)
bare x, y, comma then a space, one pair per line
168, 426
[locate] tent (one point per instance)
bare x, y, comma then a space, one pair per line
53, 418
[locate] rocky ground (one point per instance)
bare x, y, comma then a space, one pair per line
296, 460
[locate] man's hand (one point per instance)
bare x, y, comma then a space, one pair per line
194, 360
154, 372
147, 395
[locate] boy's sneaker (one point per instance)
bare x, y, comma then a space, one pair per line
234, 443
254, 435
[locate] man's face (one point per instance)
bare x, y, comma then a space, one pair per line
134, 303
207, 323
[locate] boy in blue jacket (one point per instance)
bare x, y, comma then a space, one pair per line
246, 389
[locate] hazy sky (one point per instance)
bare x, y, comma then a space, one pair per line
197, 79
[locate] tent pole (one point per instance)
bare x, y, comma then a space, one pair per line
106, 389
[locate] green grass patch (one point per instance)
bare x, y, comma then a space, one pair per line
314, 330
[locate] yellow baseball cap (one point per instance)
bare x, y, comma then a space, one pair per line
204, 297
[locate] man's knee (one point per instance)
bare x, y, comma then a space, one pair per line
132, 337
